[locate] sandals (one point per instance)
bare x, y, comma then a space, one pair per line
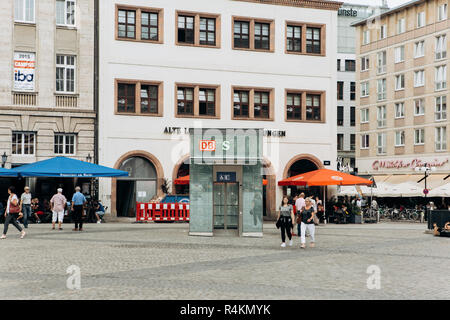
3, 237
22, 234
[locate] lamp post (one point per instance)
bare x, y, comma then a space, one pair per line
4, 158
89, 158
426, 170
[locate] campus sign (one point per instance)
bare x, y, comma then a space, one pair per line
24, 67
411, 164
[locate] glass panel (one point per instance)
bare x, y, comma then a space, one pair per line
219, 205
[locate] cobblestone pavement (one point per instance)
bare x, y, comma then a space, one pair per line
160, 261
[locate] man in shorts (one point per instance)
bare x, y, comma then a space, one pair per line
57, 205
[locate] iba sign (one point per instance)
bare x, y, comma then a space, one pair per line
24, 67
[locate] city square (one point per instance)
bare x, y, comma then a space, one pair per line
160, 261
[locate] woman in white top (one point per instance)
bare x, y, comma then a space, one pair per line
12, 213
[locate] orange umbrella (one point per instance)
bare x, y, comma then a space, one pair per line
185, 180
324, 177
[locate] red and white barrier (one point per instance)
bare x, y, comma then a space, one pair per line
162, 211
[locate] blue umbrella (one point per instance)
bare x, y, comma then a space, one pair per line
67, 168
8, 173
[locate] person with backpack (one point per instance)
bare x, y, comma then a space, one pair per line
12, 213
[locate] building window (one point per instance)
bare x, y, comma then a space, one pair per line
400, 82
340, 141
381, 62
294, 39
419, 107
365, 115
241, 105
441, 108
364, 141
442, 12
352, 116
441, 47
139, 97
399, 54
381, 116
241, 34
419, 49
23, 143
261, 104
186, 29
421, 19
149, 26
208, 31
381, 143
366, 37
350, 65
64, 143
126, 23
419, 78
340, 116
340, 90
313, 40
352, 91
399, 110
262, 36
419, 136
441, 77
313, 107
65, 12
441, 138
294, 106
185, 101
65, 74
24, 11
383, 31
399, 138
207, 102
338, 64
365, 63
401, 26
381, 89
364, 89
352, 142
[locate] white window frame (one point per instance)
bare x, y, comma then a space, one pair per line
65, 143
400, 82
419, 45
400, 138
66, 68
440, 77
440, 138
442, 12
66, 4
365, 63
381, 117
23, 143
381, 147
22, 8
419, 78
399, 54
364, 115
383, 31
401, 26
381, 89
399, 110
421, 22
440, 108
419, 136
365, 141
381, 62
366, 37
419, 104
364, 89
440, 47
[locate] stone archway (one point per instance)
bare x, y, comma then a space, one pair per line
176, 169
137, 153
271, 196
304, 156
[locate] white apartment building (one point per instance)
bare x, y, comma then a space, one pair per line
166, 66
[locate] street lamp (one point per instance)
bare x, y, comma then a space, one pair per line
426, 170
4, 158
89, 158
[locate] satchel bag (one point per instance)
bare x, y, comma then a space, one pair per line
299, 218
278, 224
316, 220
13, 208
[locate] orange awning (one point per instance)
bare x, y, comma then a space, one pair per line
185, 180
324, 177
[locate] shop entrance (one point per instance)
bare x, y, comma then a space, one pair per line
226, 206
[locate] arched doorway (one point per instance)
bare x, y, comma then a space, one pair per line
269, 191
298, 165
181, 169
142, 185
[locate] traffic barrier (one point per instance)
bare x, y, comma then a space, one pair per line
162, 211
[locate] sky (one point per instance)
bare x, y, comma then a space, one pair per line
391, 3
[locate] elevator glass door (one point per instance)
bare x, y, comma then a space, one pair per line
226, 205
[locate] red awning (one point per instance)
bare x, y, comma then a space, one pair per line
185, 180
324, 177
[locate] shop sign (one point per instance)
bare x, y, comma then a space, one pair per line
274, 133
399, 164
207, 145
24, 67
226, 177
176, 130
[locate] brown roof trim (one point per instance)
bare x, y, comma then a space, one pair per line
314, 4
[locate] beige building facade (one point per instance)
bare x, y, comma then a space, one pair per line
403, 90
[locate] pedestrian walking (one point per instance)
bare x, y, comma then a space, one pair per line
77, 208
57, 205
286, 217
299, 205
308, 214
25, 205
12, 213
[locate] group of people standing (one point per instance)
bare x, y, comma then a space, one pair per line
306, 218
17, 209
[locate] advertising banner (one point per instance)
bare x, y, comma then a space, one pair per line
24, 67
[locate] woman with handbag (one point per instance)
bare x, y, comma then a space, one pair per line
285, 219
308, 215
12, 213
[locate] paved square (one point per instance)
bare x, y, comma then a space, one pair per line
160, 261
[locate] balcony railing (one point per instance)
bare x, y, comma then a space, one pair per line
24, 99
66, 101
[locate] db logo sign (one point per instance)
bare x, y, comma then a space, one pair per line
207, 145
